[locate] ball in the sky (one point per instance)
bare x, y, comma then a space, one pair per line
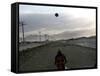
56, 14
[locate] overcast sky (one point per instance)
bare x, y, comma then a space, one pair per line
42, 19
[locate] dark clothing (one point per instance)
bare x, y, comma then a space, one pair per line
60, 61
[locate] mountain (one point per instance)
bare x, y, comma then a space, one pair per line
73, 34
64, 35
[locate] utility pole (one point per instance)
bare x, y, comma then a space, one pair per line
39, 36
46, 37
22, 24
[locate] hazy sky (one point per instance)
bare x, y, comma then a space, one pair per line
71, 20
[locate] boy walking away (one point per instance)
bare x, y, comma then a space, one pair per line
60, 61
